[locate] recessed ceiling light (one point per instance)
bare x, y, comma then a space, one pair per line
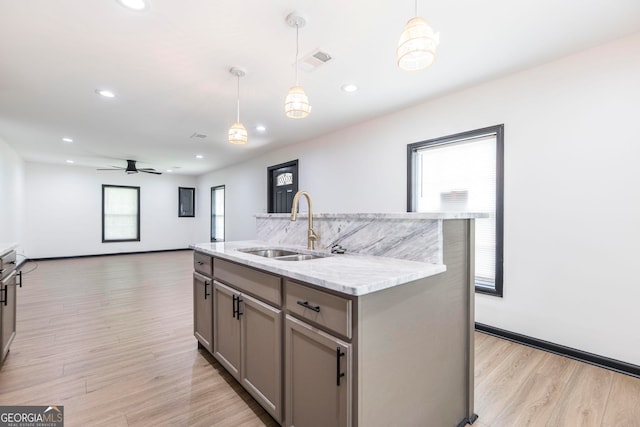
70, 161
199, 156
169, 170
105, 93
261, 128
67, 140
349, 87
134, 4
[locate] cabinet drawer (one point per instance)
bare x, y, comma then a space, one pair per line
203, 264
257, 283
7, 263
328, 310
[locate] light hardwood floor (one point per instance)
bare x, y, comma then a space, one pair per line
111, 339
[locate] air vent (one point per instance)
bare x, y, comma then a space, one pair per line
314, 60
198, 135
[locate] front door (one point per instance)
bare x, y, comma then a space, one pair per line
283, 185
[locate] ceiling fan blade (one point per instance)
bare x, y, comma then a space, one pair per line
131, 169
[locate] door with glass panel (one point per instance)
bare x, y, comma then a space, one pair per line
283, 185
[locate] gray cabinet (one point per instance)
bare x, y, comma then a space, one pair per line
203, 310
226, 329
247, 342
203, 300
261, 353
203, 264
318, 379
9, 281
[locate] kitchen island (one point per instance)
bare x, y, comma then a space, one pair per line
345, 339
10, 278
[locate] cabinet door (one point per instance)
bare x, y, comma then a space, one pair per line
203, 310
317, 377
261, 372
226, 328
8, 314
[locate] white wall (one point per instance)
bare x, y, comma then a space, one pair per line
572, 145
12, 190
64, 211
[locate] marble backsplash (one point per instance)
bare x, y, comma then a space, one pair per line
409, 236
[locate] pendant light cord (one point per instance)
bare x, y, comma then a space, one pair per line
297, 54
416, 7
238, 100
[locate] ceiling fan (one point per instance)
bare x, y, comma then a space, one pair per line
131, 168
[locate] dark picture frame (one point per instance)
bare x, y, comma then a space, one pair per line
186, 202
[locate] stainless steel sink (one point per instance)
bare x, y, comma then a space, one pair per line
282, 254
298, 257
270, 253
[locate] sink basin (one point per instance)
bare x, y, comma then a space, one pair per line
282, 254
270, 253
298, 257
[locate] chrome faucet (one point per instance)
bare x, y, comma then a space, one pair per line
311, 235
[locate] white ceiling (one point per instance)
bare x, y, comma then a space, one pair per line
169, 67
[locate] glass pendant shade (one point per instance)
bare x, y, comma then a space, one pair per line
417, 45
238, 134
296, 105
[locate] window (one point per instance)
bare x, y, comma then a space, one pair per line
217, 213
464, 173
120, 213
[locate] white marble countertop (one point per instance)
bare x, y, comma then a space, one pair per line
350, 274
382, 216
6, 247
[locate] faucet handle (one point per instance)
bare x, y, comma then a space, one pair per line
337, 249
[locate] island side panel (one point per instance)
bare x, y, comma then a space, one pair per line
415, 344
464, 272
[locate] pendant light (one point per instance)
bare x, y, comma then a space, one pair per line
237, 132
417, 45
296, 105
